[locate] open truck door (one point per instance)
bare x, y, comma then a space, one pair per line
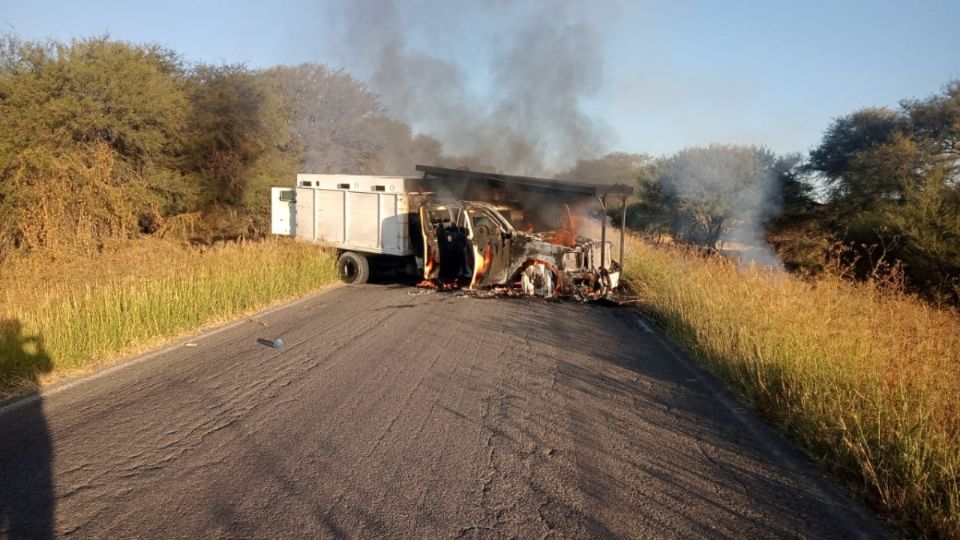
448, 256
431, 244
490, 243
283, 211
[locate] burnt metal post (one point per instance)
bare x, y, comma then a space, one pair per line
603, 232
623, 229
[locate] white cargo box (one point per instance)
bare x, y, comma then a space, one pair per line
357, 213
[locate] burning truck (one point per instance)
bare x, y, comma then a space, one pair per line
457, 229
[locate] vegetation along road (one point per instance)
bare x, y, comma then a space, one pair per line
395, 411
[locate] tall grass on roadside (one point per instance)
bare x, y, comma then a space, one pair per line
129, 302
865, 379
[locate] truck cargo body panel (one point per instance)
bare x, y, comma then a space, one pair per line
368, 214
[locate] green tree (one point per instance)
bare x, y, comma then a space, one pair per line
655, 209
398, 150
240, 136
893, 178
89, 127
793, 186
95, 90
340, 125
935, 124
717, 190
331, 116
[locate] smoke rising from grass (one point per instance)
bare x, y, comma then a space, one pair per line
721, 194
527, 119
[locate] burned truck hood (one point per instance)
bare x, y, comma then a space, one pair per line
531, 246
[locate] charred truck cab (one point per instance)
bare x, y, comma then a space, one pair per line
474, 244
488, 231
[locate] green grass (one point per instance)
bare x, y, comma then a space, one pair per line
62, 317
863, 378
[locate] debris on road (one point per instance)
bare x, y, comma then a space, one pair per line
273, 343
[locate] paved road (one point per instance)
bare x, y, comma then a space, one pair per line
394, 413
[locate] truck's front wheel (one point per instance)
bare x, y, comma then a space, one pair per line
354, 267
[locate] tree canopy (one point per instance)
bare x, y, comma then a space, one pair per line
704, 195
894, 180
106, 139
94, 90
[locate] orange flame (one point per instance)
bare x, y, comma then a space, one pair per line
428, 267
485, 265
567, 234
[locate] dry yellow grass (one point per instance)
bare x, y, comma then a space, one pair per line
865, 379
65, 315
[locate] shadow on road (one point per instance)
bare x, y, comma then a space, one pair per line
26, 483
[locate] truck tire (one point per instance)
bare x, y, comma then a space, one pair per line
354, 267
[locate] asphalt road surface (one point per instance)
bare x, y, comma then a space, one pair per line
393, 412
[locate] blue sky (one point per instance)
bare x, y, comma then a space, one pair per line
674, 74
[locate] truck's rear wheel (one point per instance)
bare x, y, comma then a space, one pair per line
354, 267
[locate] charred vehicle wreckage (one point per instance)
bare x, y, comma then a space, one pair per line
484, 233
473, 244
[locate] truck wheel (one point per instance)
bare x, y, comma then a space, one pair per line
354, 267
